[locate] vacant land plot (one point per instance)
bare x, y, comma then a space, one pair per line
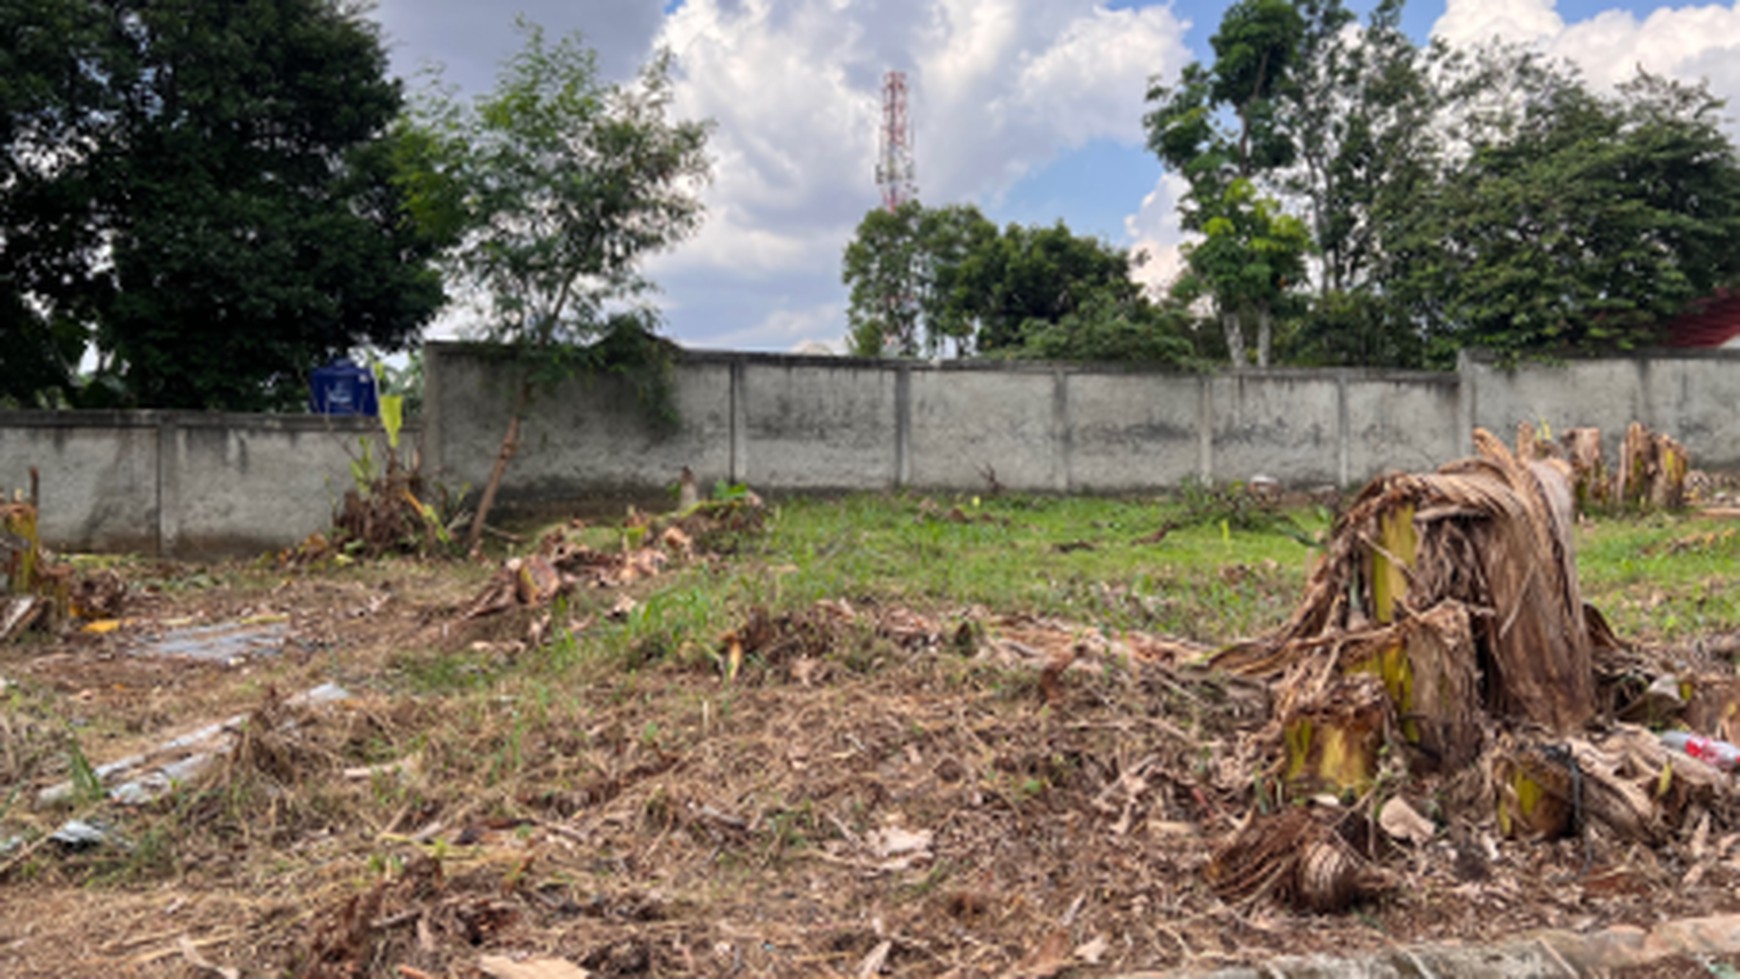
897, 735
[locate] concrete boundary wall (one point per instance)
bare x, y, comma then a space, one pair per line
182, 484
797, 423
187, 484
800, 423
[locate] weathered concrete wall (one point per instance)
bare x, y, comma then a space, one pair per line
1281, 424
1396, 421
181, 484
98, 474
816, 425
193, 484
967, 424
1692, 395
805, 423
1132, 432
592, 434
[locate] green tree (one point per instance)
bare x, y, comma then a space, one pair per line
1361, 112
1110, 328
556, 186
881, 268
214, 202
1033, 276
1355, 109
924, 277
903, 270
1248, 260
1568, 221
48, 237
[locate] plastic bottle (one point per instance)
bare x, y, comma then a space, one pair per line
1719, 754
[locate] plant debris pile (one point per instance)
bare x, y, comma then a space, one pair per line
38, 592
562, 563
1654, 470
390, 509
1442, 652
1442, 742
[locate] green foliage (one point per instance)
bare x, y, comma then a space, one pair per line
1575, 222
921, 278
1356, 106
1452, 198
48, 231
1040, 275
87, 785
555, 187
1105, 329
1234, 506
224, 221
1252, 253
38, 359
905, 270
1343, 328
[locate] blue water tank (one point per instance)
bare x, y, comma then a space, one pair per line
342, 388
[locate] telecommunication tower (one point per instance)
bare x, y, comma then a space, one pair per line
895, 172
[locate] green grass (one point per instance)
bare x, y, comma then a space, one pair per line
1073, 557
1662, 578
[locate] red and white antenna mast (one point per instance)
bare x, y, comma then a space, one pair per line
895, 172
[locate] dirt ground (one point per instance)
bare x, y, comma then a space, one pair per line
902, 795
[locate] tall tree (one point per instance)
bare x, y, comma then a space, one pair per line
904, 272
1569, 221
1355, 106
1257, 50
223, 217
557, 186
882, 268
1360, 110
925, 277
48, 239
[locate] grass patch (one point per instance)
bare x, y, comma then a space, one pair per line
1662, 578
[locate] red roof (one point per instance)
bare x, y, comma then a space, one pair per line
1708, 322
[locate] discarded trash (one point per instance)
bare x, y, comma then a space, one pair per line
502, 967
80, 834
74, 834
18, 613
1404, 822
202, 747
1719, 754
226, 643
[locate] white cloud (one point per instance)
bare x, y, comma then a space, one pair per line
1480, 21
1690, 43
1155, 233
998, 89
803, 330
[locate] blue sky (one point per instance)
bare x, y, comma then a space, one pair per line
1028, 108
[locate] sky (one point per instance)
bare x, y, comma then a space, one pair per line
1029, 109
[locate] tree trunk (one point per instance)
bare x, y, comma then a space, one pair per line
509, 444
1235, 337
1265, 331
